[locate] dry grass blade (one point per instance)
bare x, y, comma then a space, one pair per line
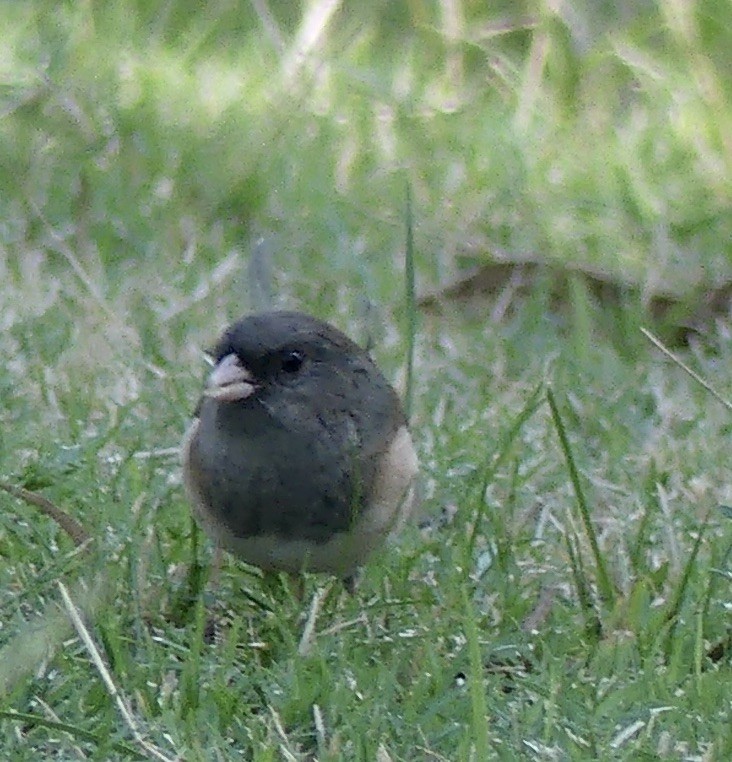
306, 641
67, 253
285, 746
50, 714
312, 28
319, 723
36, 642
676, 359
540, 613
101, 667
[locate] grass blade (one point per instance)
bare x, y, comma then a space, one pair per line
593, 626
74, 731
499, 455
410, 302
478, 703
672, 615
607, 591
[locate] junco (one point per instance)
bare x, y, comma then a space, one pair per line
299, 458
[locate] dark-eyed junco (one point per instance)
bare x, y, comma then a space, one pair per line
299, 458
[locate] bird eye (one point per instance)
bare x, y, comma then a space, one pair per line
292, 361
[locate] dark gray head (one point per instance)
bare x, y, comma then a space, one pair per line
279, 347
293, 358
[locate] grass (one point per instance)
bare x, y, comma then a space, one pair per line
564, 592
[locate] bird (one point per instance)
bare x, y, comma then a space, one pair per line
299, 457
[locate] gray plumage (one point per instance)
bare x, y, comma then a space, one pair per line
301, 458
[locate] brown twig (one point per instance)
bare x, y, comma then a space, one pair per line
68, 523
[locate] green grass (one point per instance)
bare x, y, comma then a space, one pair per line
565, 591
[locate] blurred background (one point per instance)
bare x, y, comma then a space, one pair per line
146, 147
